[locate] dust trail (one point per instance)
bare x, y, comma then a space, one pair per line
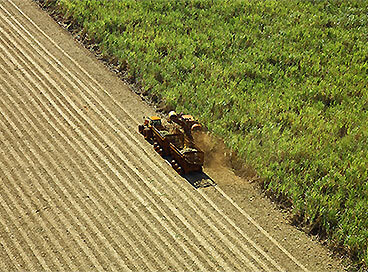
215, 150
218, 156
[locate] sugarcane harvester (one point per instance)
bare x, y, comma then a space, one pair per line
175, 141
185, 122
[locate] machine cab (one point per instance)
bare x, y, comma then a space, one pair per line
155, 121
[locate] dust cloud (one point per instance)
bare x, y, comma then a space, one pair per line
214, 149
218, 156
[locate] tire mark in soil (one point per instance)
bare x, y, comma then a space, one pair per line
50, 146
45, 192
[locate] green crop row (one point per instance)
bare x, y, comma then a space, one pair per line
283, 82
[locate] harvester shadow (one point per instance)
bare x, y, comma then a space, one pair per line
199, 180
196, 179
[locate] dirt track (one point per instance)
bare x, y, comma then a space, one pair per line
81, 189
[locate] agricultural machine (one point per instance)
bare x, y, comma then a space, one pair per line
186, 123
175, 141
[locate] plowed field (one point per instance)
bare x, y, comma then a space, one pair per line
80, 189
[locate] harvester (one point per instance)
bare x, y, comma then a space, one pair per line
175, 142
186, 122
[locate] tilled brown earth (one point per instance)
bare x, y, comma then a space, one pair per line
80, 189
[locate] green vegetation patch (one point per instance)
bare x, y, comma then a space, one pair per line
283, 82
